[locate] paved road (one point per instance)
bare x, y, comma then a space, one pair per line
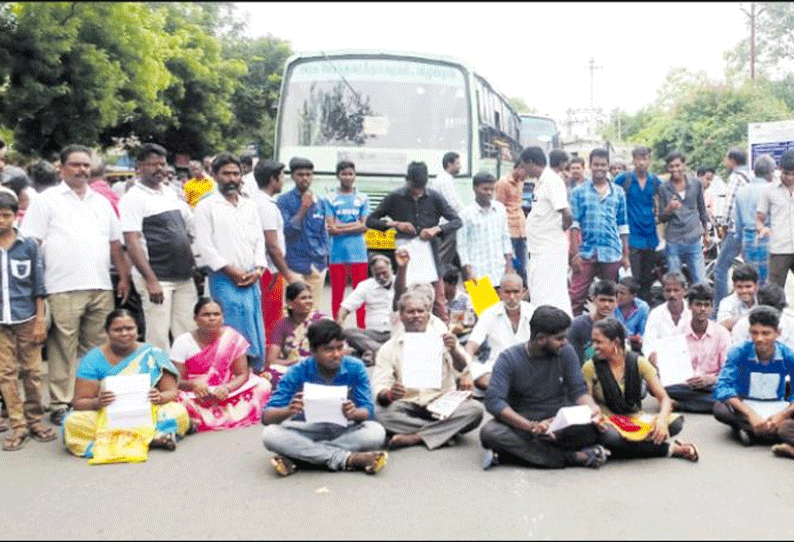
221, 485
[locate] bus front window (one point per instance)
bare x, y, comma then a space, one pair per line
386, 104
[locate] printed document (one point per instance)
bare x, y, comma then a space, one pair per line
673, 360
131, 407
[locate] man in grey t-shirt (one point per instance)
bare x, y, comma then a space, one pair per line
529, 384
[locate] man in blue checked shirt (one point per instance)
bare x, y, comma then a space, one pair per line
598, 207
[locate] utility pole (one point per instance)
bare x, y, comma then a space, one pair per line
592, 68
752, 16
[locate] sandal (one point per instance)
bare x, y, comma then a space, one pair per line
16, 440
41, 433
284, 466
3, 425
377, 463
596, 456
690, 451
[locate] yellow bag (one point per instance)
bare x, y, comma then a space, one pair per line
129, 445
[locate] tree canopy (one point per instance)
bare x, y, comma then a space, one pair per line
181, 74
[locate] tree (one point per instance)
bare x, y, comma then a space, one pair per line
71, 70
520, 105
255, 99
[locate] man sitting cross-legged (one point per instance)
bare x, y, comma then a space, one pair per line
529, 384
336, 446
757, 370
708, 343
405, 414
739, 303
501, 325
376, 294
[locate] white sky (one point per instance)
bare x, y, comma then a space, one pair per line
537, 51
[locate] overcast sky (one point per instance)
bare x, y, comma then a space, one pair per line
538, 51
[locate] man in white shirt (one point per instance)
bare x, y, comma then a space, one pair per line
668, 319
771, 295
80, 235
269, 180
777, 205
742, 300
502, 325
230, 241
547, 242
248, 186
158, 228
484, 243
444, 184
376, 294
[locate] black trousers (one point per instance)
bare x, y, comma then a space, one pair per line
642, 261
691, 400
622, 448
537, 450
726, 414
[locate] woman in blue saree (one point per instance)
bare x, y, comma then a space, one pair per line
122, 354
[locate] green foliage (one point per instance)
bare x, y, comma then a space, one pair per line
705, 122
520, 105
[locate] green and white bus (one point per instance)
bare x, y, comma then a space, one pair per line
383, 110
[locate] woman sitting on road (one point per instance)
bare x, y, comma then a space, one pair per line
217, 387
289, 344
122, 354
614, 379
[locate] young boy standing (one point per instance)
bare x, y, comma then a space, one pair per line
22, 329
346, 211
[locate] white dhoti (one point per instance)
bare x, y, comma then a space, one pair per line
547, 277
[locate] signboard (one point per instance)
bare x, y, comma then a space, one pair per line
772, 138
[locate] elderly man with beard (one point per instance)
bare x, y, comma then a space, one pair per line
405, 414
376, 294
230, 240
501, 325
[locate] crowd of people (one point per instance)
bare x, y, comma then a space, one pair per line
212, 286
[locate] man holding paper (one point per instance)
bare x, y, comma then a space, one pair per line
530, 384
414, 211
321, 412
412, 370
751, 387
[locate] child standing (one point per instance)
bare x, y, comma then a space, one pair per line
346, 212
22, 329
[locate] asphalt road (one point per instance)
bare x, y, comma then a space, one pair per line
221, 485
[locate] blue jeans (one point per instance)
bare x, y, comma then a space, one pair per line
689, 253
323, 443
729, 250
520, 256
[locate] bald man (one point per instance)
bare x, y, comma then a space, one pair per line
502, 325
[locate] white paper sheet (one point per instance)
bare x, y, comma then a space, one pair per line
673, 360
323, 404
131, 407
766, 409
422, 360
422, 265
571, 415
763, 385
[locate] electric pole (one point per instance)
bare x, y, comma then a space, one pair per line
592, 68
752, 16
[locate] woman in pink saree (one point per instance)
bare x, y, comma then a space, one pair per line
217, 388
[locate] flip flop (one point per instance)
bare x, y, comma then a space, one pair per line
692, 450
596, 456
783, 450
377, 463
15, 441
3, 425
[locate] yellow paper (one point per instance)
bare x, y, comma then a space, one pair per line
483, 294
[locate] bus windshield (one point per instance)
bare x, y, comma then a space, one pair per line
392, 104
538, 126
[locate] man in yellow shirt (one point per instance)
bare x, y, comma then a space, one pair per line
198, 185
